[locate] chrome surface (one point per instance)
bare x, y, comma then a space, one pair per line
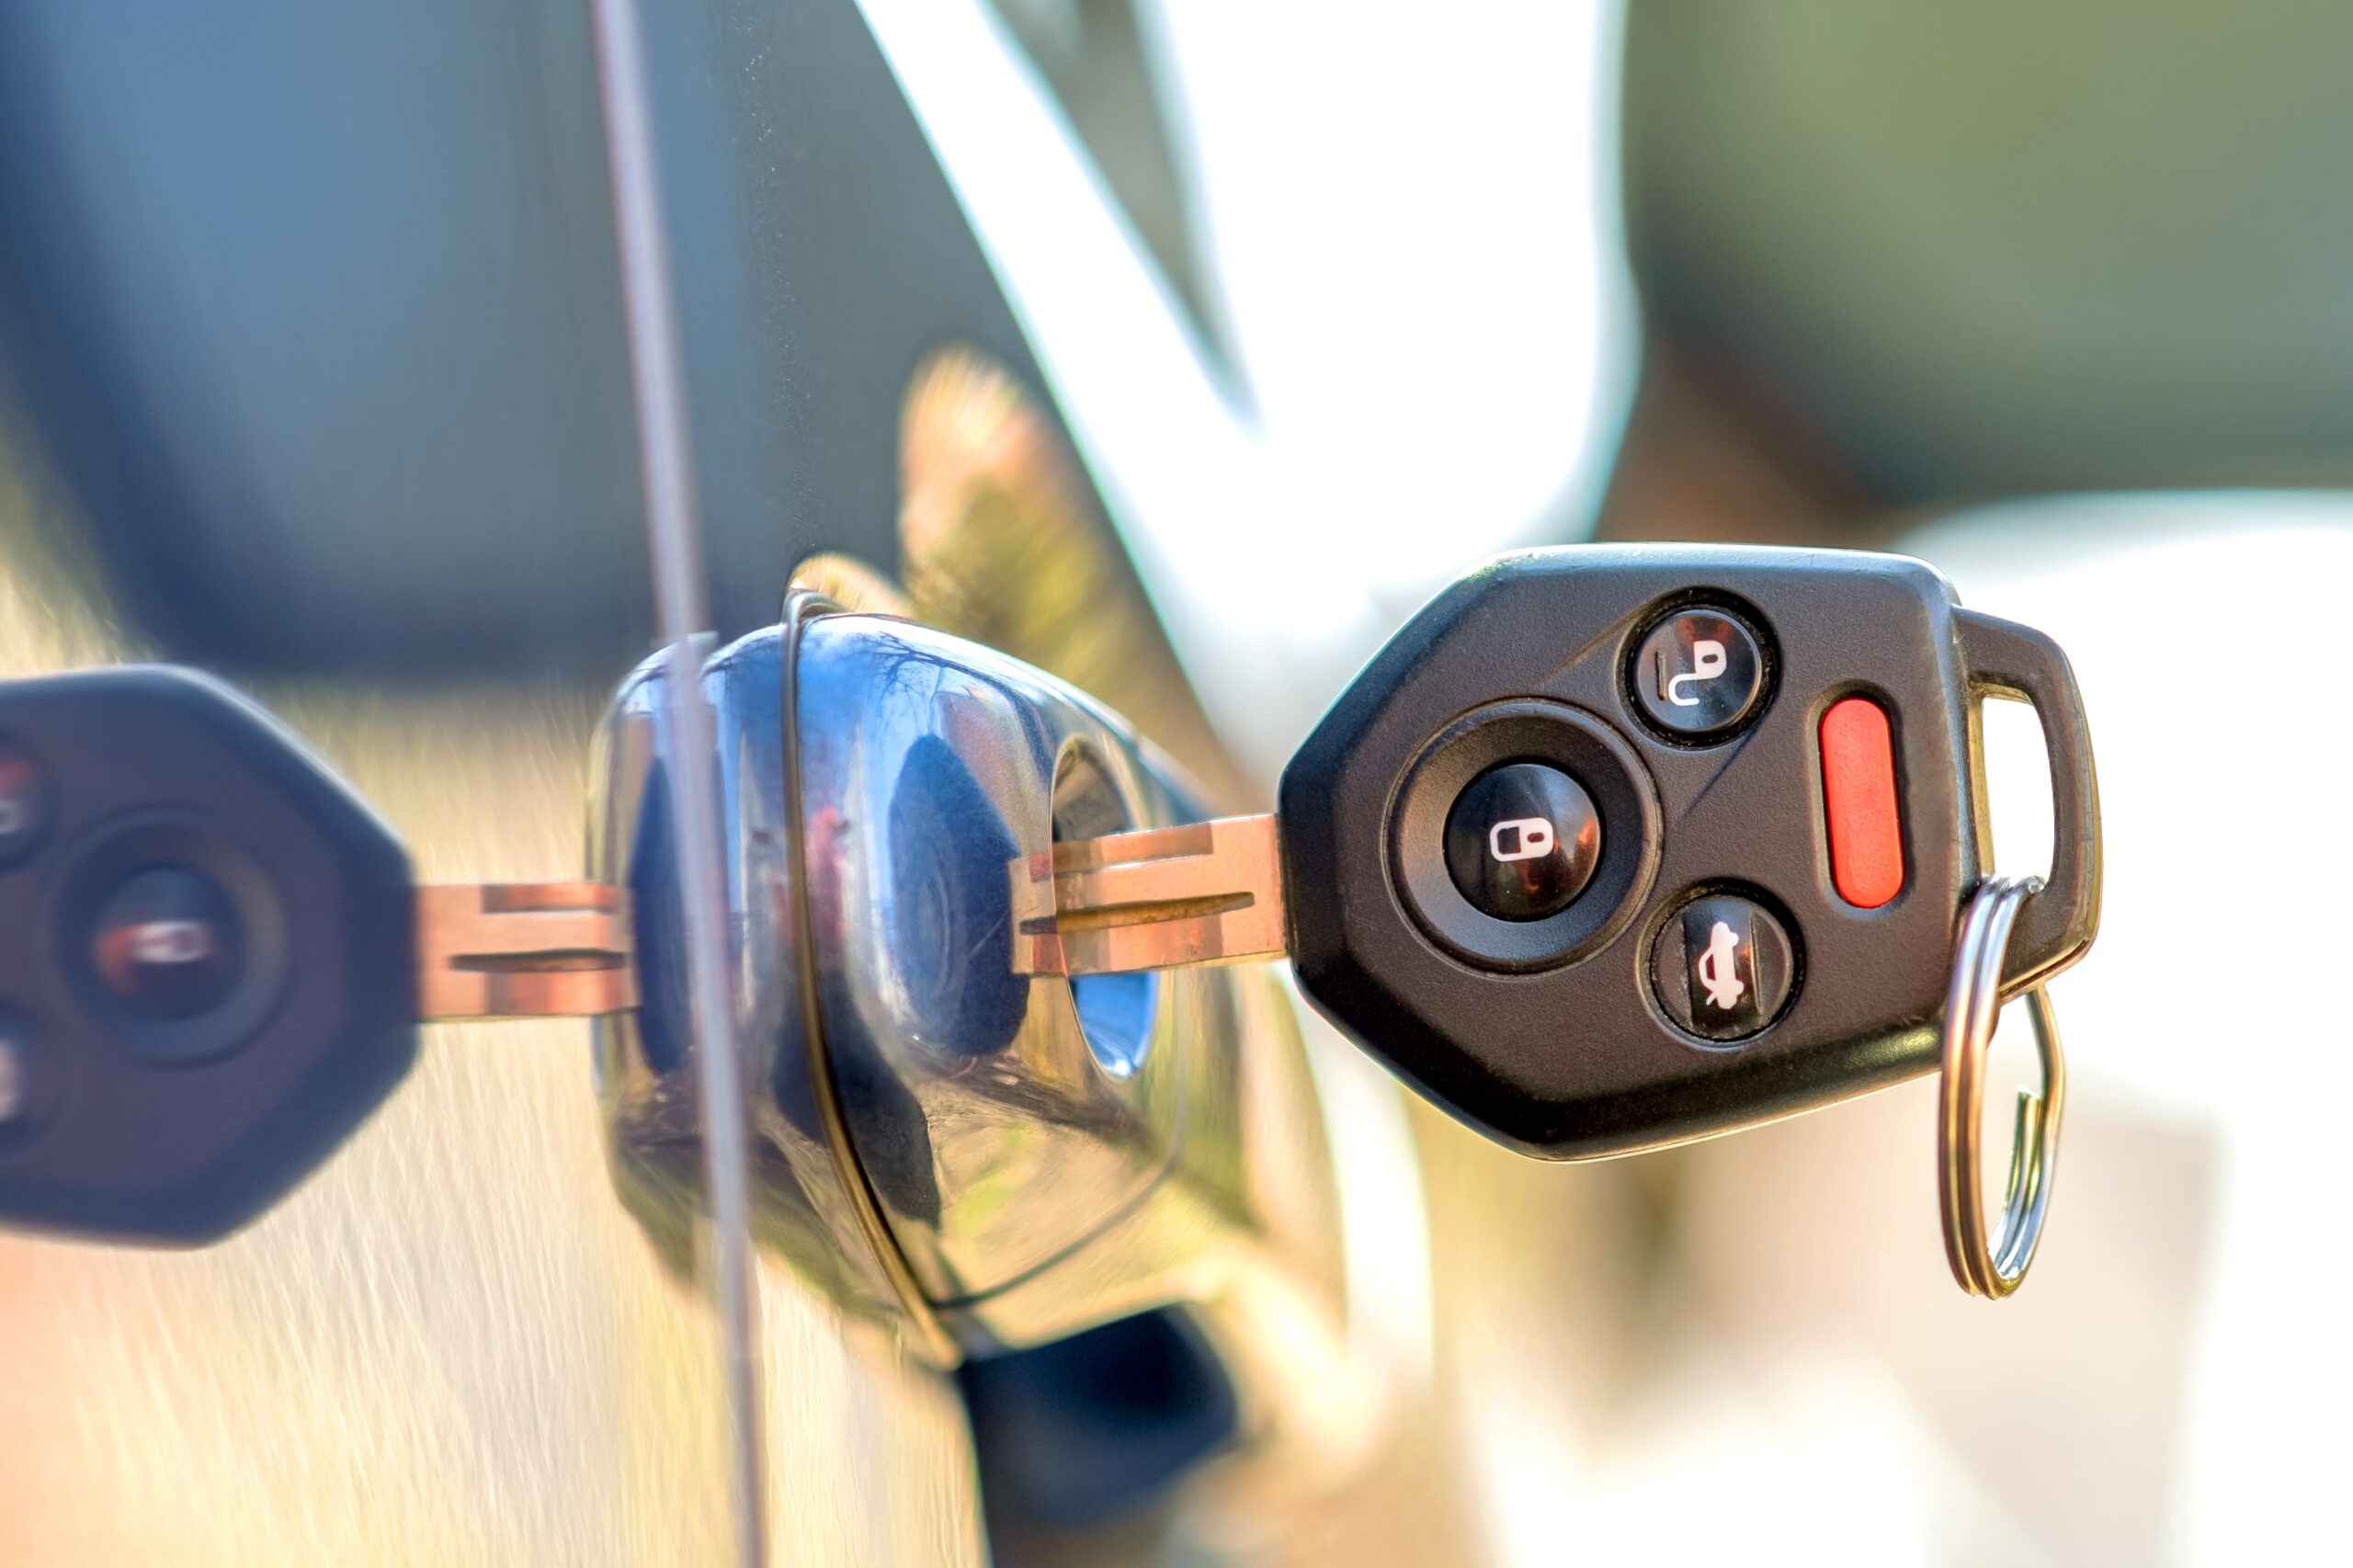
1042, 1111
801, 966
682, 617
1973, 1010
648, 1078
1049, 1154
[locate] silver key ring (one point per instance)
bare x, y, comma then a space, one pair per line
1973, 1010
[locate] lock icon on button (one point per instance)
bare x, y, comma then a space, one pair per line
1527, 837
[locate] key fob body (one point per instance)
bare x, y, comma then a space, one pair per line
1610, 848
206, 958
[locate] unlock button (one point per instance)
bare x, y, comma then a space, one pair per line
1699, 675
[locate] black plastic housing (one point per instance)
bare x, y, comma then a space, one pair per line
180, 1130
1576, 1059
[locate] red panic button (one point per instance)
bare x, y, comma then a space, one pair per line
1858, 797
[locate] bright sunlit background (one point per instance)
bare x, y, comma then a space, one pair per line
1303, 460
316, 380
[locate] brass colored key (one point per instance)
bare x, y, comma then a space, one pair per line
522, 950
1203, 894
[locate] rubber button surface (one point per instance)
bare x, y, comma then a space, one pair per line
1724, 967
1859, 803
1522, 841
167, 942
1700, 675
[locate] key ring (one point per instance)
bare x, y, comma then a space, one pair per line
1973, 1010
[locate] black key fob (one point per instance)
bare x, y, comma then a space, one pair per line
1615, 847
207, 957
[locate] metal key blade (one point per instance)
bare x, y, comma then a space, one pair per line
1207, 892
523, 950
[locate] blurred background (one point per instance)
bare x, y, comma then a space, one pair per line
314, 376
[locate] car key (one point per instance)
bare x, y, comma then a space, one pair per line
1614, 847
214, 962
1608, 849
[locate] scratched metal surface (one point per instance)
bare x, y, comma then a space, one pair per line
452, 1345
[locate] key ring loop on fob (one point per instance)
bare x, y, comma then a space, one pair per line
1973, 1009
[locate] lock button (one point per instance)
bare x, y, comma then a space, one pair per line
1522, 841
1699, 675
166, 942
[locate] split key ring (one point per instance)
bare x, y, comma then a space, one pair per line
1973, 1009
